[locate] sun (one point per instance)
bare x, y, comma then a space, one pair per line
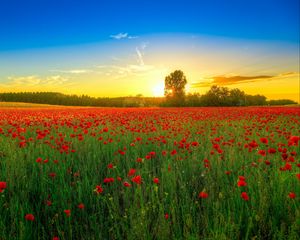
158, 90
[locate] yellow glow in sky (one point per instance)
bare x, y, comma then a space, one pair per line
158, 90
140, 65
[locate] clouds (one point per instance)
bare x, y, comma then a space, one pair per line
26, 80
125, 70
140, 53
122, 36
231, 80
72, 71
33, 81
140, 56
131, 67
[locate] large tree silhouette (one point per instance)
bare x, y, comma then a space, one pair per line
175, 88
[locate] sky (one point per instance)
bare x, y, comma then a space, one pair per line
123, 48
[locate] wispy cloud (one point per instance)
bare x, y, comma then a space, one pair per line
35, 81
72, 71
27, 80
122, 36
140, 53
122, 68
55, 80
126, 70
140, 56
132, 37
289, 74
231, 80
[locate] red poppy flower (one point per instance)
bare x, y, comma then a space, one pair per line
264, 140
242, 178
203, 195
173, 152
110, 165
241, 183
22, 144
67, 212
52, 174
137, 179
267, 162
262, 152
271, 150
108, 180
81, 206
292, 195
131, 172
29, 217
294, 140
2, 186
126, 184
288, 167
99, 189
245, 196
121, 152
156, 180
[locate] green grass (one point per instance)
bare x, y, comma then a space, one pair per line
138, 212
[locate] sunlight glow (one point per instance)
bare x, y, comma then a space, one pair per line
158, 90
187, 88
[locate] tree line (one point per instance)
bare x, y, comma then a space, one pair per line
216, 96
56, 98
222, 96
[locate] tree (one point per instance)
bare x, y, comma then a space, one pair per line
237, 97
175, 88
255, 100
193, 100
281, 102
216, 96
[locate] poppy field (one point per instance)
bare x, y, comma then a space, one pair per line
150, 173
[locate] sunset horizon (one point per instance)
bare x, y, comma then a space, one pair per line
102, 55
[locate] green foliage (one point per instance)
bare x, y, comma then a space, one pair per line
223, 96
281, 102
255, 100
82, 100
175, 88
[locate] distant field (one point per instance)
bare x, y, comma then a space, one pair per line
24, 105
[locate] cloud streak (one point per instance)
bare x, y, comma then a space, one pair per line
122, 36
122, 69
36, 81
231, 80
140, 56
72, 71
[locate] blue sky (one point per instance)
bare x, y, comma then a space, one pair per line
127, 47
43, 23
